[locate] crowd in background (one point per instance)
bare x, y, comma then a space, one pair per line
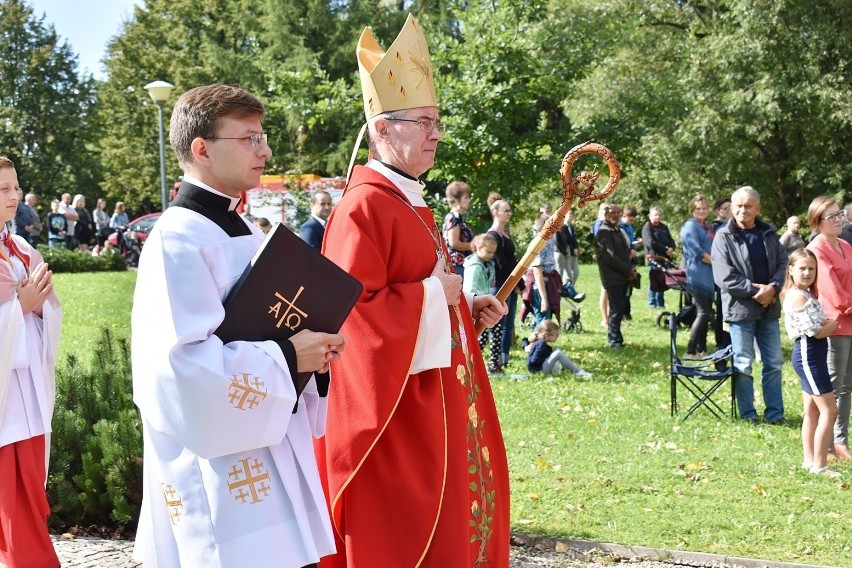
70, 224
733, 264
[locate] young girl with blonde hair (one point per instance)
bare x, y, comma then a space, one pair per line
808, 327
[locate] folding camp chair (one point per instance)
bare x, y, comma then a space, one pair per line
701, 377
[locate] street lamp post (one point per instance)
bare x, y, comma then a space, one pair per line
159, 92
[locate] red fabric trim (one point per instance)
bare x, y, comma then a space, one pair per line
24, 540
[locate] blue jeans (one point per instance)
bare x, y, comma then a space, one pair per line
768, 335
656, 299
540, 316
509, 327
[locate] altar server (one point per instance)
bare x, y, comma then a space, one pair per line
230, 479
30, 326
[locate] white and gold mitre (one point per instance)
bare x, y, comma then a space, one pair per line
399, 78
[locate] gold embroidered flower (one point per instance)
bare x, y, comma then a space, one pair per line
474, 417
391, 77
485, 455
474, 508
460, 374
403, 94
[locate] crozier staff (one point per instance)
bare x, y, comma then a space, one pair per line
413, 457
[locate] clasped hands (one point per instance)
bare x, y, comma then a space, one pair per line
765, 295
486, 309
33, 291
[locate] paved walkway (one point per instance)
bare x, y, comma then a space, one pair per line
86, 552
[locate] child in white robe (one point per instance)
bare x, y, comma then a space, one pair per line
30, 326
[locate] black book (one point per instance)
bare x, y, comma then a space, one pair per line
287, 287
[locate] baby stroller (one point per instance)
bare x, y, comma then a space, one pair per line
572, 323
674, 279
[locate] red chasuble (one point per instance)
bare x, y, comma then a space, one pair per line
414, 465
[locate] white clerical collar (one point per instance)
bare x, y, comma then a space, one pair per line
412, 188
234, 200
321, 221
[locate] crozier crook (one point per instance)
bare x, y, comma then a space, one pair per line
581, 187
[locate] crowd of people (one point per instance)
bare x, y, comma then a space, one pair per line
71, 225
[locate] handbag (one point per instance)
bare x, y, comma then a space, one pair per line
637, 282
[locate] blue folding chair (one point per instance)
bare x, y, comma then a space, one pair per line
702, 377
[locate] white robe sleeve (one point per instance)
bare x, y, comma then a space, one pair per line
11, 329
211, 398
433, 336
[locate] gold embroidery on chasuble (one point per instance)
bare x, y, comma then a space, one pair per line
174, 505
481, 477
246, 392
248, 481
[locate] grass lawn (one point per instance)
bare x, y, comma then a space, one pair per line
601, 458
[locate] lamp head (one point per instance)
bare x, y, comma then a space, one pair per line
159, 91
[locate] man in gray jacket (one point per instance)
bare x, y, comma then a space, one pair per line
749, 264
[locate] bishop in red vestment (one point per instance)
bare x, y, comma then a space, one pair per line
413, 457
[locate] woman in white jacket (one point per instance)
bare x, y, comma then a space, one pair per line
30, 326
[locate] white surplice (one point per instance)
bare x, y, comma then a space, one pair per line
230, 478
28, 348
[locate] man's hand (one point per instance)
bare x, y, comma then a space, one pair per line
315, 350
488, 310
452, 283
765, 295
33, 291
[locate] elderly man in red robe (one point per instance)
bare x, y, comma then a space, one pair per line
413, 458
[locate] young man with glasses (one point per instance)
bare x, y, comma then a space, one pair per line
413, 455
230, 476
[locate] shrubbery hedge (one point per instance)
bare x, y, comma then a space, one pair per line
60, 259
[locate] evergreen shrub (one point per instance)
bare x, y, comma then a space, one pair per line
60, 259
95, 472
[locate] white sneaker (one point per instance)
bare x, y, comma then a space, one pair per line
825, 472
583, 374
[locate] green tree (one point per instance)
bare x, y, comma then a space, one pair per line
711, 96
45, 107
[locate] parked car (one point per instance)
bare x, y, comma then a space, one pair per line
143, 225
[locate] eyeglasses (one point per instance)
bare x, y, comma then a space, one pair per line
426, 124
833, 217
255, 139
